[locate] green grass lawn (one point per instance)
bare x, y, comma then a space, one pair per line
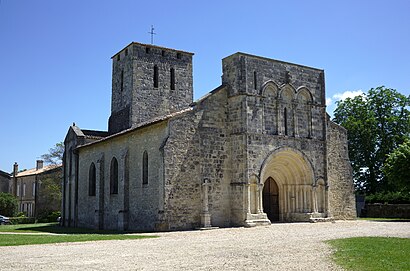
52, 228
31, 239
372, 253
61, 234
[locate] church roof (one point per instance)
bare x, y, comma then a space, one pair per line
5, 174
138, 126
271, 59
35, 171
152, 46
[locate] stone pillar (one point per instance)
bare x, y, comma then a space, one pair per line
123, 191
205, 216
248, 190
99, 199
314, 194
294, 117
305, 203
327, 210
260, 198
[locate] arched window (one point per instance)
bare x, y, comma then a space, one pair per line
114, 176
145, 168
285, 120
122, 81
155, 76
254, 80
91, 180
172, 79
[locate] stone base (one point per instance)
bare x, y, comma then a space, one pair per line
206, 220
320, 217
253, 220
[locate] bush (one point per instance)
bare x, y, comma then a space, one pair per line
8, 204
389, 198
47, 217
22, 220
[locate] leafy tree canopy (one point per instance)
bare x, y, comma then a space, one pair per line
377, 123
397, 168
8, 204
54, 155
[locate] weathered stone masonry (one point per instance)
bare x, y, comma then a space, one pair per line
257, 149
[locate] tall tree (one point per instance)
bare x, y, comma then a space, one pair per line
377, 123
397, 168
54, 155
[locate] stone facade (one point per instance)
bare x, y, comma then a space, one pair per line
31, 192
5, 182
257, 149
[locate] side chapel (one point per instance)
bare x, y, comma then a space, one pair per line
259, 148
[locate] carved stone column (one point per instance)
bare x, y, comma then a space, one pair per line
260, 198
314, 194
205, 216
248, 191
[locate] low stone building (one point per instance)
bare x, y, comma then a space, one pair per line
257, 149
32, 188
4, 182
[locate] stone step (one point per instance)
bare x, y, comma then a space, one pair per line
321, 219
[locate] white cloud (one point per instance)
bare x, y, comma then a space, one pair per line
347, 94
329, 101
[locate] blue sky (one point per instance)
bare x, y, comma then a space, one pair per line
55, 66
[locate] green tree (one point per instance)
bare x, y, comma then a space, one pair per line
54, 155
377, 123
8, 204
397, 168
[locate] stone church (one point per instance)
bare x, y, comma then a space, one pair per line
259, 148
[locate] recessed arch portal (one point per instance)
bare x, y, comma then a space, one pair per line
291, 174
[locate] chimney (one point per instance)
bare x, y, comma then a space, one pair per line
39, 164
15, 169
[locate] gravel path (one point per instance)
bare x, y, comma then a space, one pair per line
296, 246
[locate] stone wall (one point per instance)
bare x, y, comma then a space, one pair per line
5, 182
339, 172
197, 150
137, 206
135, 98
388, 210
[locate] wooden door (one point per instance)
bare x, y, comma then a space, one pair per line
271, 199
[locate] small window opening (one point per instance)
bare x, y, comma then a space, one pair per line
147, 50
285, 117
179, 55
254, 80
172, 79
163, 52
155, 76
126, 52
118, 57
122, 80
114, 176
145, 168
92, 180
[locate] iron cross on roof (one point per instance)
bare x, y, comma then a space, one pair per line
152, 34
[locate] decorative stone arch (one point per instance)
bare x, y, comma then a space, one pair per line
303, 112
304, 94
294, 175
287, 92
286, 110
270, 89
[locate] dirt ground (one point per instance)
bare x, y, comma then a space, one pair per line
282, 246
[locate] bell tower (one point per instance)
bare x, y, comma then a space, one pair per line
148, 82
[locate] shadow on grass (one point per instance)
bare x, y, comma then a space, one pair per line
378, 219
55, 228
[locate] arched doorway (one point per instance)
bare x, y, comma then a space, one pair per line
271, 199
288, 193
